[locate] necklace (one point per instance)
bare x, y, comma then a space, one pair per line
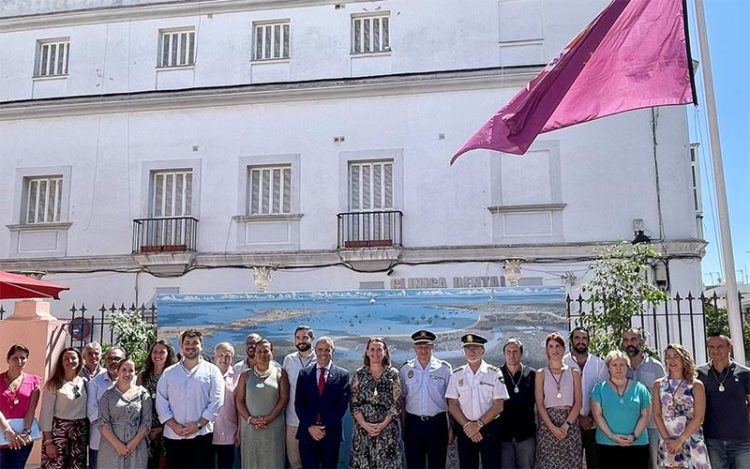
515, 385
716, 377
673, 392
305, 363
557, 381
617, 388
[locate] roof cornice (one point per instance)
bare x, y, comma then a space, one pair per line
151, 11
316, 90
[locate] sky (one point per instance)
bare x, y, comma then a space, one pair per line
726, 23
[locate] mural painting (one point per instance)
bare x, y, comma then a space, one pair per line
350, 317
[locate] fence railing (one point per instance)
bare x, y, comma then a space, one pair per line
380, 228
172, 234
678, 319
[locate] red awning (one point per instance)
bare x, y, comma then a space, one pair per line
18, 287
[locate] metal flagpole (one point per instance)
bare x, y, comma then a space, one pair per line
733, 306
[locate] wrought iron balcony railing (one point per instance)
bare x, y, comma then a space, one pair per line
379, 228
167, 234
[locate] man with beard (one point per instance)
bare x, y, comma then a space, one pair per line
248, 362
189, 396
475, 394
645, 370
593, 371
293, 364
424, 381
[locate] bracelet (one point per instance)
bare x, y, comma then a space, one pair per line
634, 436
480, 422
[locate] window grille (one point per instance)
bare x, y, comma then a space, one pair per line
177, 48
371, 185
43, 198
370, 34
271, 41
171, 193
269, 190
52, 58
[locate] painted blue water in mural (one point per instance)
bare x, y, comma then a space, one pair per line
350, 316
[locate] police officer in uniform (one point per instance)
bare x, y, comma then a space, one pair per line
424, 381
475, 393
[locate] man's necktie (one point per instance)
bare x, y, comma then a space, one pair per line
322, 381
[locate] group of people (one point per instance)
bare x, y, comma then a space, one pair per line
625, 410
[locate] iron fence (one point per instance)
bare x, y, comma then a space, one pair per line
678, 319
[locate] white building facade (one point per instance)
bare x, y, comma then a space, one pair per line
242, 145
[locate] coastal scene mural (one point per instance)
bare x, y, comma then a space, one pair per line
350, 317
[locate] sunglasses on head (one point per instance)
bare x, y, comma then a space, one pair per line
76, 391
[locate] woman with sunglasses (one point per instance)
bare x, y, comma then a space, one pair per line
65, 428
19, 396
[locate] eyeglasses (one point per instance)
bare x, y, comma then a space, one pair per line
76, 391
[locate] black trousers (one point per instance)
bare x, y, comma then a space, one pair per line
319, 454
426, 441
223, 456
469, 453
624, 457
590, 448
193, 453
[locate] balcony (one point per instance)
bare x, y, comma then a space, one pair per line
373, 229
164, 235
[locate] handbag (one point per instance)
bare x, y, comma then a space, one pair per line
17, 426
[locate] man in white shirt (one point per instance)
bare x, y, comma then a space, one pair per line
95, 390
189, 396
475, 394
593, 371
293, 364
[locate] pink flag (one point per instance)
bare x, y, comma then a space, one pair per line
633, 55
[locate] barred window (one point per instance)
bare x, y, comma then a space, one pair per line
171, 193
269, 190
371, 185
52, 57
43, 199
177, 48
370, 34
271, 40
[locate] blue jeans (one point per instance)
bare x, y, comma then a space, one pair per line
728, 453
14, 458
518, 454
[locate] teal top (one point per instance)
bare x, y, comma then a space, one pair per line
621, 417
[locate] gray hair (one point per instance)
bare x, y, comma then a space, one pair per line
224, 345
93, 345
326, 339
616, 355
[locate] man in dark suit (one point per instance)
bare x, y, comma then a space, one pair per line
321, 401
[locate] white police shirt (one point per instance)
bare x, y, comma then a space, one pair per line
476, 392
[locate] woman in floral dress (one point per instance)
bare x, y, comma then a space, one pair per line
376, 396
679, 404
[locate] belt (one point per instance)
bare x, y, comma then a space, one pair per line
425, 418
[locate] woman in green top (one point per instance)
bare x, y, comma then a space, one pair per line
621, 408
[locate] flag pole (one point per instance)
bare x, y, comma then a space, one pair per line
733, 306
